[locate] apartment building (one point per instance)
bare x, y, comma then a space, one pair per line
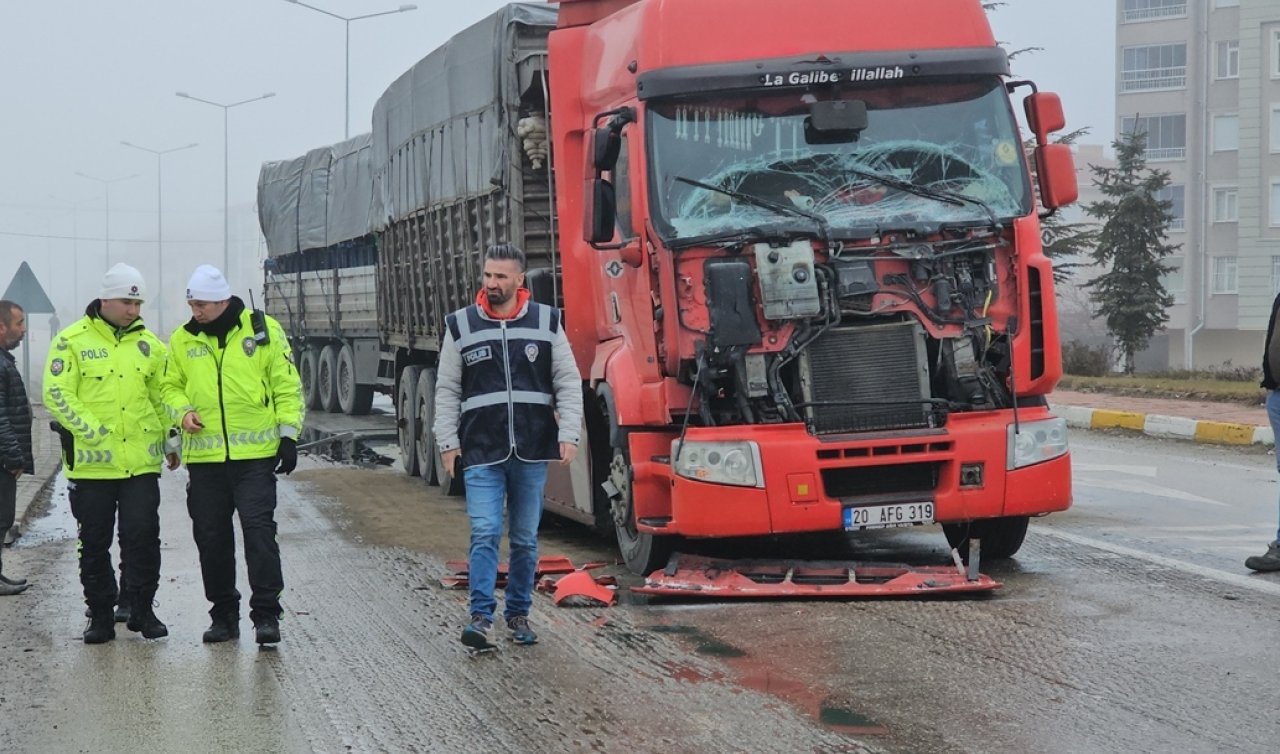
1202, 79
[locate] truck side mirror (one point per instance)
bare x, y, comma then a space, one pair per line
1056, 173
1044, 115
600, 212
605, 145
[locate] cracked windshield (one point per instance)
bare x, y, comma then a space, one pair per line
952, 149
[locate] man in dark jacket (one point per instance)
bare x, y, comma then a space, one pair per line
508, 402
15, 428
1270, 561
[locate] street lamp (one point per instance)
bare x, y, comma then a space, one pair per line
106, 183
159, 224
226, 168
346, 119
75, 241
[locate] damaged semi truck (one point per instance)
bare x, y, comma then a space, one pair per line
797, 246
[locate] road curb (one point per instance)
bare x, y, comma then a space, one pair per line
1156, 425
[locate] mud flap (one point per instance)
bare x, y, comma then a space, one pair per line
691, 576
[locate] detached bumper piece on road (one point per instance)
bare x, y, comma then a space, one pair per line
689, 576
550, 565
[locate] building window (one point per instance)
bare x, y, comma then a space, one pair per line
1226, 133
1224, 275
1175, 194
1275, 128
1275, 202
1226, 204
1154, 67
1275, 54
1174, 281
1275, 274
1166, 135
1146, 10
1228, 59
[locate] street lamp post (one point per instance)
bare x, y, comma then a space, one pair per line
106, 183
346, 119
159, 153
226, 169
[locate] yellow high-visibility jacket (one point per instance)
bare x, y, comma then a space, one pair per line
248, 394
104, 386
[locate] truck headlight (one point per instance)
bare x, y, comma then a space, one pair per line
1036, 441
736, 463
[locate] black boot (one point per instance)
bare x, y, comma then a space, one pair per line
144, 620
122, 612
224, 627
267, 630
101, 628
6, 581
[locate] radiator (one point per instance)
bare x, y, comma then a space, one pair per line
868, 378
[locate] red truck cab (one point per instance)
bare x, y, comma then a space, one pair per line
802, 268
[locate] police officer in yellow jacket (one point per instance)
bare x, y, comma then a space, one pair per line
232, 385
102, 384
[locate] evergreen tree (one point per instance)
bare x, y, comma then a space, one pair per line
1131, 247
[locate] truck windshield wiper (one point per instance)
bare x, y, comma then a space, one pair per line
751, 234
824, 230
942, 195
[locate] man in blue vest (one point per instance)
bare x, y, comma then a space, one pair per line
508, 401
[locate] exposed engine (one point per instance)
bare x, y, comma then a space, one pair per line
858, 354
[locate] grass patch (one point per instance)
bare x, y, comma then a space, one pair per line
1195, 388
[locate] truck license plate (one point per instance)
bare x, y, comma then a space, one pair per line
885, 516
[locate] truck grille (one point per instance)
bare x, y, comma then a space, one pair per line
868, 378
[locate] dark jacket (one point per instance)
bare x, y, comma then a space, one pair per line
1271, 351
15, 418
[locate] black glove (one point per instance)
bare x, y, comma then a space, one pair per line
288, 455
68, 443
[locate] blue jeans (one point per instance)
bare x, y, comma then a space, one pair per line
519, 485
1273, 414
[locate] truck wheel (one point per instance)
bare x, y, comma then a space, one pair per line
308, 363
1001, 537
449, 484
426, 413
354, 399
643, 553
407, 420
326, 371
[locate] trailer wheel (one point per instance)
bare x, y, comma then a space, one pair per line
308, 364
426, 414
407, 420
1001, 537
354, 399
451, 485
326, 372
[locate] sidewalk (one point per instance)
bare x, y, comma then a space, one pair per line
48, 457
1200, 421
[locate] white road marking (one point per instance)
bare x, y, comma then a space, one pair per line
1143, 488
1254, 583
1147, 471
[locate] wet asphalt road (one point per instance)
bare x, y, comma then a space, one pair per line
1127, 624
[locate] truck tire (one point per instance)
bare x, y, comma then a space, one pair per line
451, 485
326, 372
425, 401
308, 364
643, 553
407, 420
1000, 537
354, 399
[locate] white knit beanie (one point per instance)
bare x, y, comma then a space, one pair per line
208, 284
123, 281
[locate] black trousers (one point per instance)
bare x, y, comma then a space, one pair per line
8, 505
247, 488
95, 503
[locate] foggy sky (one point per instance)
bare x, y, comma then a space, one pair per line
80, 76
